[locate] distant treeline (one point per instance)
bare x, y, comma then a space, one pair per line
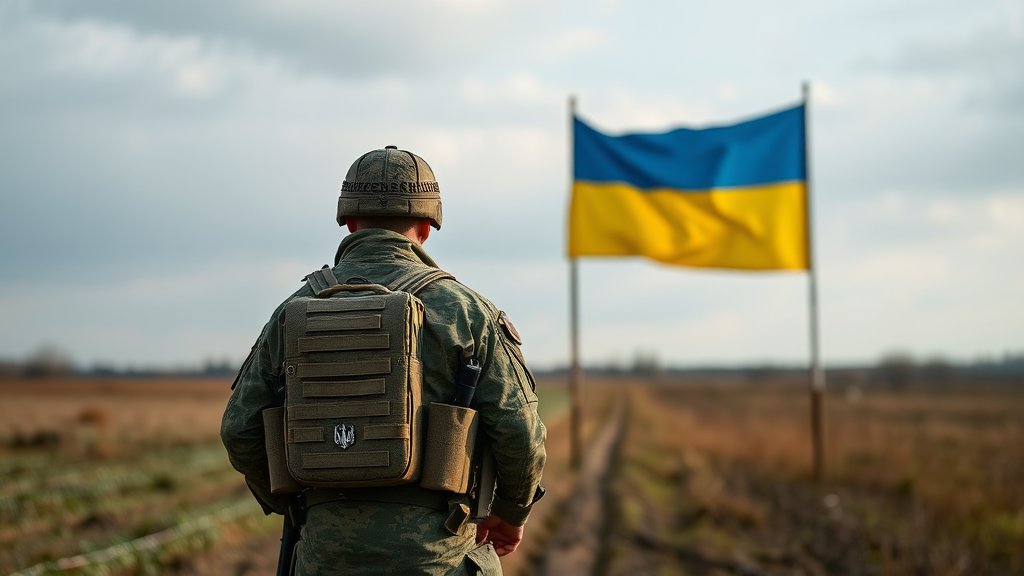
893, 370
16, 370
50, 362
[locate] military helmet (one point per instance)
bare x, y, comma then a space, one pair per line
390, 182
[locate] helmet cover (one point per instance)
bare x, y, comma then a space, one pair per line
390, 182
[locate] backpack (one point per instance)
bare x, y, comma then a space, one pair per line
353, 413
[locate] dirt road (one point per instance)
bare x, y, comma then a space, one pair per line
575, 549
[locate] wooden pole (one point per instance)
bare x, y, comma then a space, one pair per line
817, 376
575, 384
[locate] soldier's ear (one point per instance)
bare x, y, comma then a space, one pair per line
351, 224
422, 230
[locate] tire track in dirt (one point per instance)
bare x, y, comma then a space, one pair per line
575, 548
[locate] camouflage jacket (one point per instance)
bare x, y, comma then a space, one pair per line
458, 324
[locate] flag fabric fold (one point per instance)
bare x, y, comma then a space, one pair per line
730, 197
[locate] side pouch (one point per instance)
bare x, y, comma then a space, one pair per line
451, 437
281, 481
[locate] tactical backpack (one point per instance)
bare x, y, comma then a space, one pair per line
353, 413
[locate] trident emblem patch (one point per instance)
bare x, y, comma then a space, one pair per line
344, 435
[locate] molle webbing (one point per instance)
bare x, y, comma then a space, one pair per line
325, 411
332, 389
296, 435
319, 460
327, 323
348, 342
334, 369
368, 303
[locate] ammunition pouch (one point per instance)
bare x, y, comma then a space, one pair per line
451, 440
281, 481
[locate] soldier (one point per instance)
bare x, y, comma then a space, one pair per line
389, 202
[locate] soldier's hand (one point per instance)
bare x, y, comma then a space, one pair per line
504, 536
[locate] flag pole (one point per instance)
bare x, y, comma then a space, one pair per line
817, 376
575, 386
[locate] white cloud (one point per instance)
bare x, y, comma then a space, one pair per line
570, 43
91, 48
1014, 13
622, 109
728, 91
1007, 212
944, 212
510, 90
892, 202
197, 79
823, 94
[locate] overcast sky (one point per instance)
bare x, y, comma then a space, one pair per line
169, 171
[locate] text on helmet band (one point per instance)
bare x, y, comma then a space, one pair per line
347, 186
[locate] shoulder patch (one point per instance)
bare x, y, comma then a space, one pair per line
509, 328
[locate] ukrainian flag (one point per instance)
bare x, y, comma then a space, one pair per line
725, 197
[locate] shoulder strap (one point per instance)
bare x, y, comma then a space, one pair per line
321, 280
411, 282
417, 280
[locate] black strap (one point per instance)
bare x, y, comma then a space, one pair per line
410, 495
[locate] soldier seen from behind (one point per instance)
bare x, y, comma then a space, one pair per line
386, 409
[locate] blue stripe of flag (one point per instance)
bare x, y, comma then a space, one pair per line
761, 151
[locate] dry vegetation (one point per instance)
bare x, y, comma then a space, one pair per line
99, 467
707, 480
90, 464
715, 480
111, 416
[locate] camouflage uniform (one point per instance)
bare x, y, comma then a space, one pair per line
383, 538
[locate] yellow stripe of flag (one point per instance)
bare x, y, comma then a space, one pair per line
753, 228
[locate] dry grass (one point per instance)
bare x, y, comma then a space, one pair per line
88, 464
962, 451
710, 479
919, 481
107, 417
119, 425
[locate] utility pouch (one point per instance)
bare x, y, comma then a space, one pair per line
451, 439
281, 482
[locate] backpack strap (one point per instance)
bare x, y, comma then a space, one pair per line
321, 280
417, 280
411, 282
